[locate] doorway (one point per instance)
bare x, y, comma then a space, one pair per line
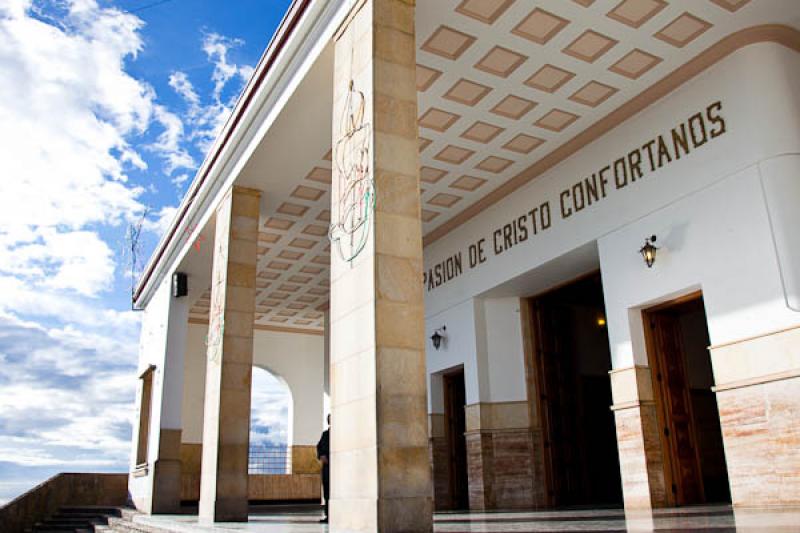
456, 427
571, 360
694, 457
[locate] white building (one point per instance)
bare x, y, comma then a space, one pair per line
539, 150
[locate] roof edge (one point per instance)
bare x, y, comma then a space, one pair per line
277, 43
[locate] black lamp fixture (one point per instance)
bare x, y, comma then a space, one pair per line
648, 251
438, 336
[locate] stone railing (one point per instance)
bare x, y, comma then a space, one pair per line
60, 490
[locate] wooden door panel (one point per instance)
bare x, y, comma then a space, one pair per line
676, 409
454, 393
557, 396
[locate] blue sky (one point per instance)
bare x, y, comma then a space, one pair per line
106, 112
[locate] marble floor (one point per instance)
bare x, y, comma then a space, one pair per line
706, 519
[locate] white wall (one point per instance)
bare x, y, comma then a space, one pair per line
298, 359
485, 336
295, 358
194, 383
458, 348
162, 345
708, 209
718, 240
505, 357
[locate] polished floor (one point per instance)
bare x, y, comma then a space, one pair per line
707, 519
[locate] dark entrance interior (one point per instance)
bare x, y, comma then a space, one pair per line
572, 360
682, 377
456, 426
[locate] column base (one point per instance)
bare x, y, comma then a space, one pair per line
167, 473
387, 515
166, 486
225, 510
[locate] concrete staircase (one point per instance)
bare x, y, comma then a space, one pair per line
68, 501
92, 519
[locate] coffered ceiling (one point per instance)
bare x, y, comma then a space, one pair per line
504, 82
501, 84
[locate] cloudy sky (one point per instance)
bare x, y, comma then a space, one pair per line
106, 111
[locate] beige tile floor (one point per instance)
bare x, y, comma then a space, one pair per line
707, 519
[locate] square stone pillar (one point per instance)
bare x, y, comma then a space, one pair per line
226, 417
641, 459
380, 474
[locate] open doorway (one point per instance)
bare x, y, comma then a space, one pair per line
571, 364
455, 427
271, 428
694, 457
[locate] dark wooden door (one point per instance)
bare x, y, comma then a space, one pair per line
455, 399
557, 403
676, 408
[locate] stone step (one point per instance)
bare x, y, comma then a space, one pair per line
45, 528
123, 525
92, 509
51, 527
79, 520
79, 515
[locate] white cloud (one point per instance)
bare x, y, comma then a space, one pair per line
180, 179
169, 143
181, 84
68, 106
271, 409
206, 120
74, 122
216, 48
69, 112
66, 394
162, 221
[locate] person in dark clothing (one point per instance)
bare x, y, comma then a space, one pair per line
323, 454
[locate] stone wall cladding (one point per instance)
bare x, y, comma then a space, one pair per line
502, 470
761, 433
480, 471
640, 458
440, 466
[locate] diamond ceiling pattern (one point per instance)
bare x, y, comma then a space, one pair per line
500, 84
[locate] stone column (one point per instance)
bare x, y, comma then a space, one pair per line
226, 417
641, 459
380, 474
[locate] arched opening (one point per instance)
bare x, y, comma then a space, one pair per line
271, 407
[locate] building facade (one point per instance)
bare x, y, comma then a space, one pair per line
449, 204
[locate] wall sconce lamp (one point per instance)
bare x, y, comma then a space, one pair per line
648, 251
438, 336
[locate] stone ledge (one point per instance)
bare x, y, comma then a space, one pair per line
760, 380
